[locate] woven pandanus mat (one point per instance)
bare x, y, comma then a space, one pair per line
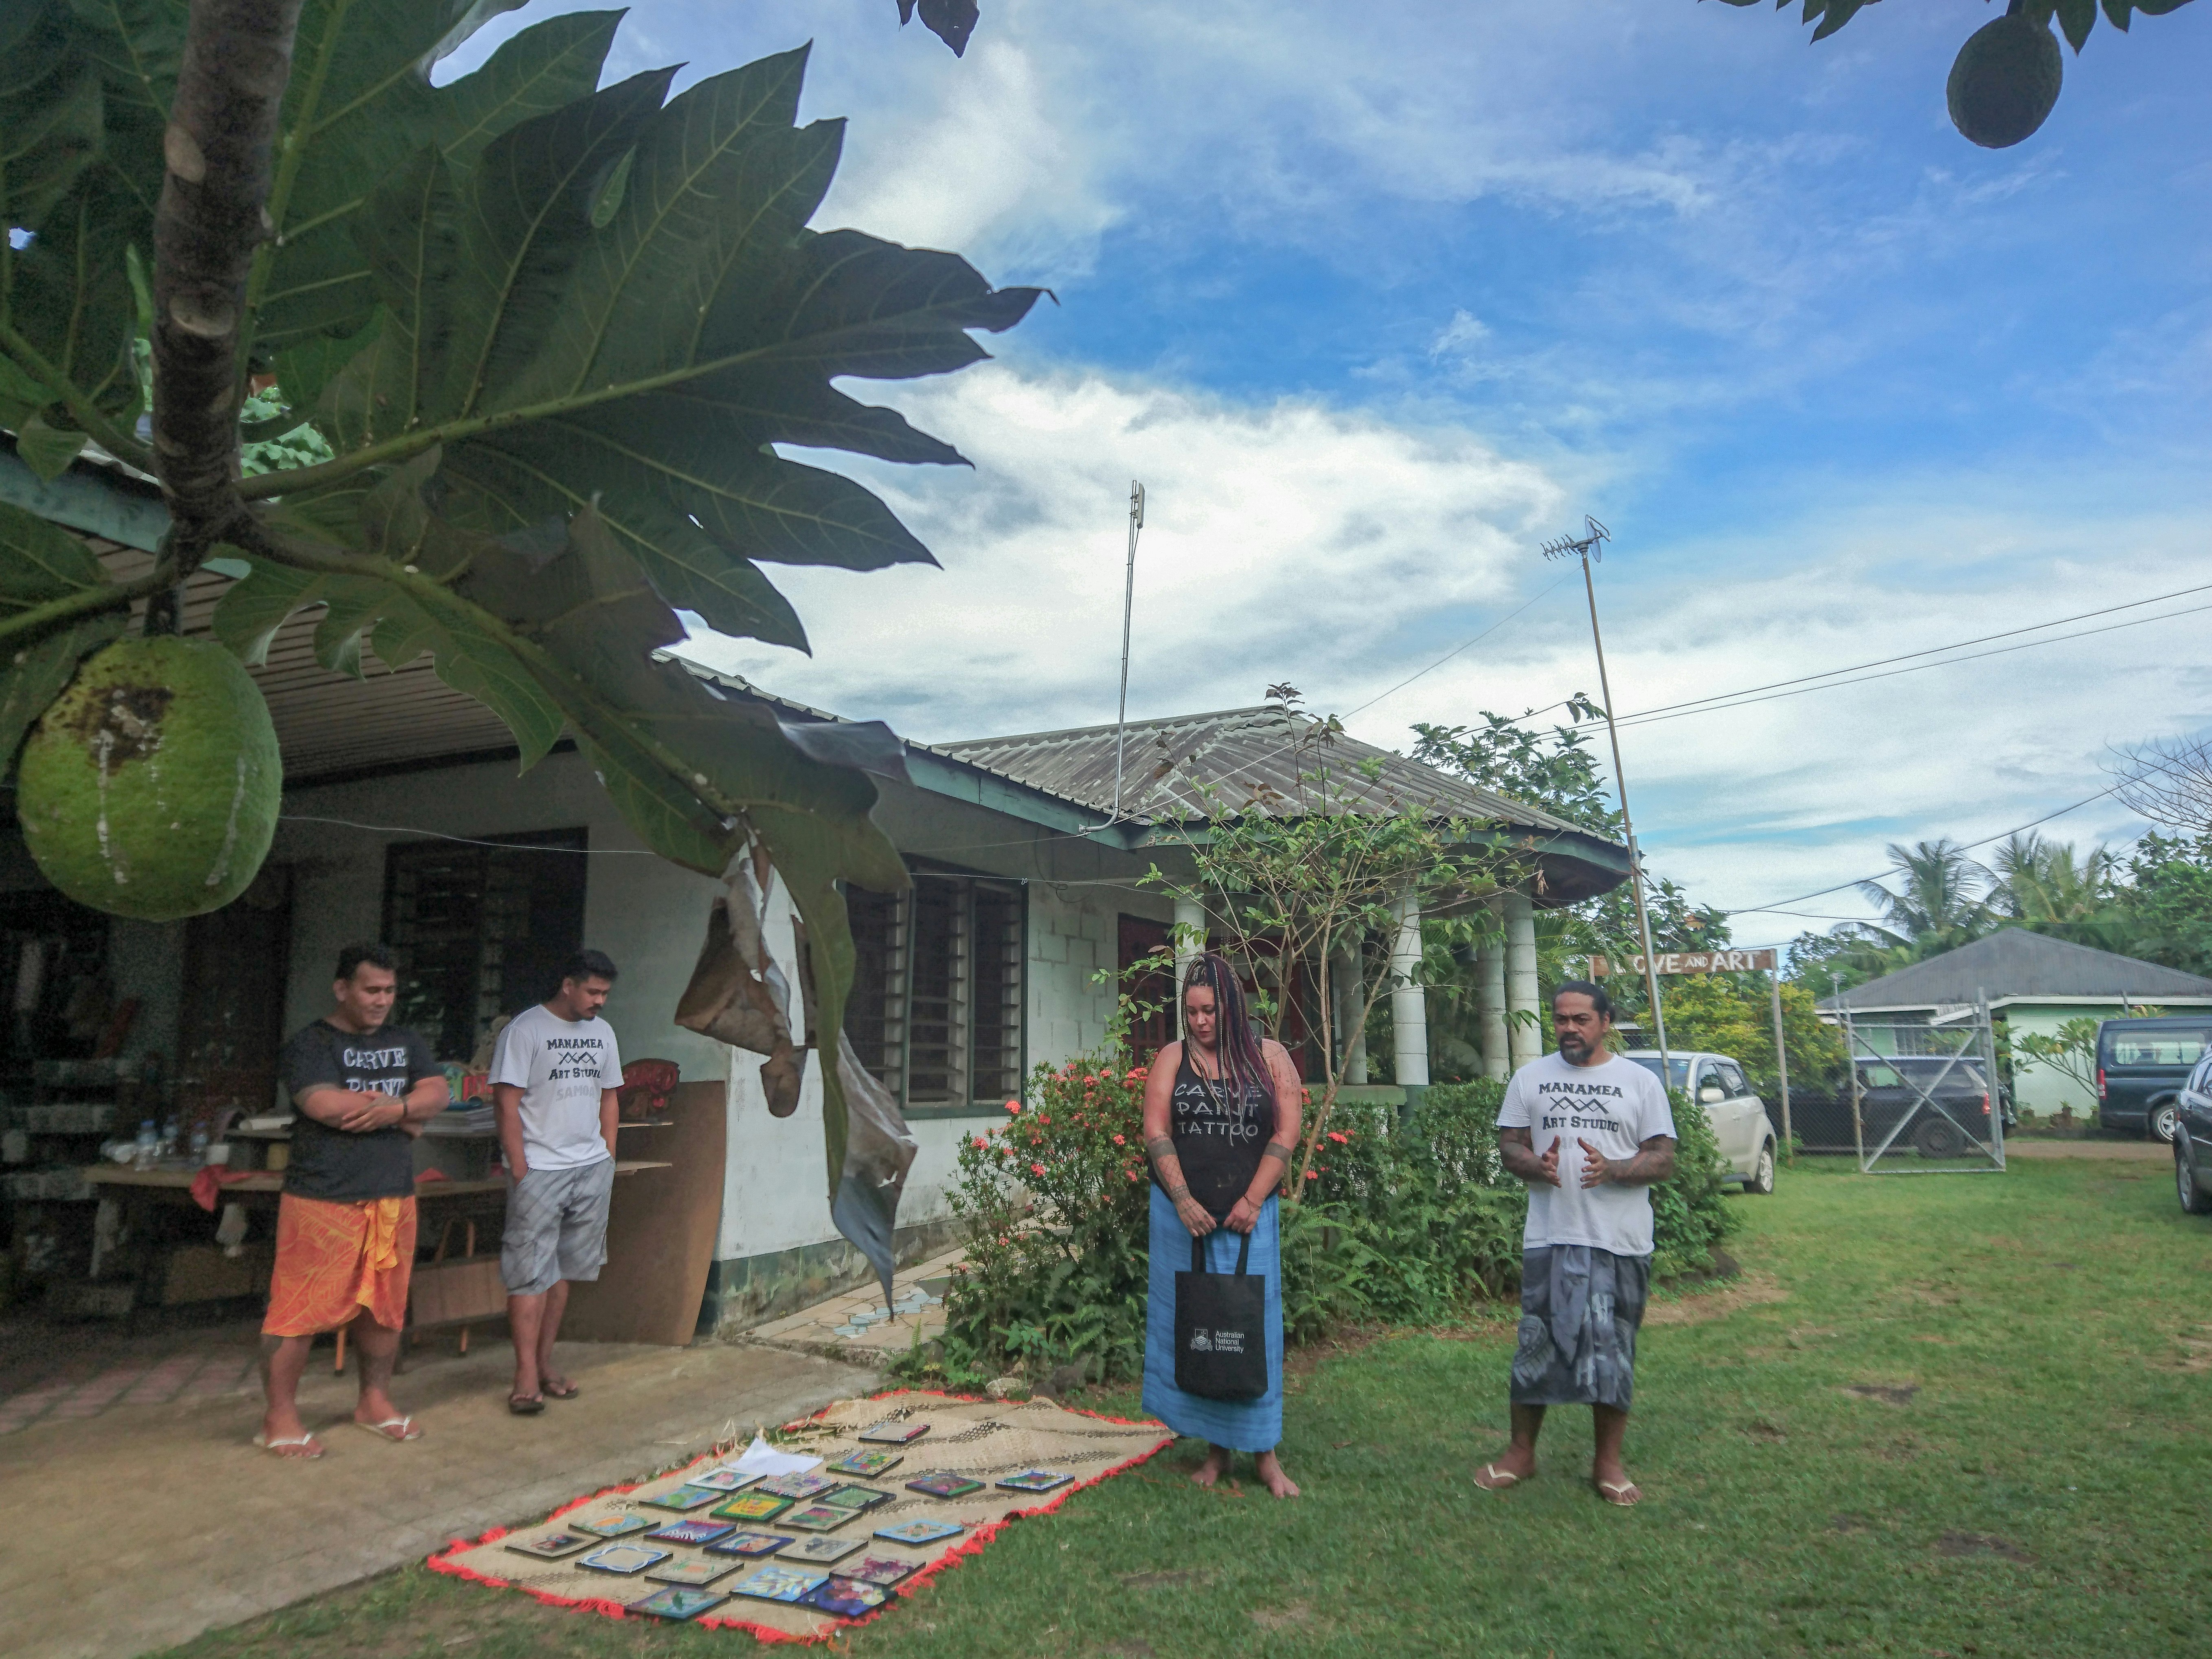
982, 1440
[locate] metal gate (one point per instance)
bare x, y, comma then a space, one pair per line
1926, 1099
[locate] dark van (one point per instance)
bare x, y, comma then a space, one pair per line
2141, 1065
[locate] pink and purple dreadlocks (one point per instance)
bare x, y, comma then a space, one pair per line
1236, 1043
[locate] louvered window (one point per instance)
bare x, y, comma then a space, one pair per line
936, 1009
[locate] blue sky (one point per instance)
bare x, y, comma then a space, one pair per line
1376, 299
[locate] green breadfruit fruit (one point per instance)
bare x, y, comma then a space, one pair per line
2005, 81
150, 787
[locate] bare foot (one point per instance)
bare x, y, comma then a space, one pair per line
1269, 1468
1216, 1466
554, 1386
1510, 1469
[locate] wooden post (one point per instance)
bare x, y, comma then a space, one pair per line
1781, 1058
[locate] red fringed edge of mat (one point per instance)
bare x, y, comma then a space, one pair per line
972, 1545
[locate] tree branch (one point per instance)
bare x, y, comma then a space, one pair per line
56, 614
222, 128
93, 424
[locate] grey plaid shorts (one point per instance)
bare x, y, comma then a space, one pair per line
556, 1227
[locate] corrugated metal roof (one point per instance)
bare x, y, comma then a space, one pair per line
1193, 766
2021, 965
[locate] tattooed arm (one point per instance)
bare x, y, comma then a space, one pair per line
1654, 1161
1516, 1150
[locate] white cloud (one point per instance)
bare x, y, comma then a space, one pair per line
1462, 334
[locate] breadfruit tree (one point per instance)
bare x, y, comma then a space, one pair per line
2006, 77
532, 341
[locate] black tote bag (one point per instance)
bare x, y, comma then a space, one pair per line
1221, 1328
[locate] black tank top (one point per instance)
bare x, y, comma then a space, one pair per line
1220, 1134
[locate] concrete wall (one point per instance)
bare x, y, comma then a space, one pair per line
2044, 1089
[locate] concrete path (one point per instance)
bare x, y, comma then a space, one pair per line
144, 1525
857, 1325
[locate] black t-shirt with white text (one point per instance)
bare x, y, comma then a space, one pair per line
346, 1166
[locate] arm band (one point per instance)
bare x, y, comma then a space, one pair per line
1160, 1146
1276, 1149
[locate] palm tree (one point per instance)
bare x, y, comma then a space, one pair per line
2040, 881
1937, 900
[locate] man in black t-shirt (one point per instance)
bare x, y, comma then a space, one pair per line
345, 1226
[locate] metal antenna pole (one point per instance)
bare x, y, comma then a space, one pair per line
1595, 534
1128, 607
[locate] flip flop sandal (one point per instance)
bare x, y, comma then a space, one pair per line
1491, 1477
1622, 1494
525, 1405
569, 1393
283, 1448
397, 1429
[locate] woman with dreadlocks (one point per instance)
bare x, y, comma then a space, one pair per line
1221, 1115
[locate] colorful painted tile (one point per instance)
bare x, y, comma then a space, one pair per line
945, 1486
817, 1517
691, 1570
920, 1531
689, 1532
1035, 1481
624, 1558
552, 1545
775, 1583
676, 1602
723, 1479
820, 1551
866, 1463
748, 1544
855, 1498
751, 1506
848, 1598
685, 1499
799, 1486
894, 1434
884, 1570
615, 1526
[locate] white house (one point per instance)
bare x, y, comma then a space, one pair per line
405, 818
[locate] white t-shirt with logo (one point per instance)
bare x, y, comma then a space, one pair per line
1616, 1106
560, 1065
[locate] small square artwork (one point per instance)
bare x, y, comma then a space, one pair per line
895, 1434
855, 1498
749, 1544
691, 1570
553, 1544
624, 1558
1035, 1481
884, 1570
722, 1479
752, 1506
615, 1526
799, 1486
920, 1531
676, 1603
848, 1598
820, 1551
689, 1532
866, 1464
945, 1486
817, 1517
686, 1498
776, 1583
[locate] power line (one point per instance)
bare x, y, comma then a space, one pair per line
1450, 655
1956, 645
1745, 700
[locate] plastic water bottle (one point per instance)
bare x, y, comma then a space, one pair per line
149, 1145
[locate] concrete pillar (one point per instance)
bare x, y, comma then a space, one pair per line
1409, 1005
1351, 996
1188, 913
1524, 1038
1490, 997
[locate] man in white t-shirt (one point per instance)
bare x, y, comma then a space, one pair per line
554, 1075
1589, 1132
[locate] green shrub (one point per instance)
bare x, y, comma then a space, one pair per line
1408, 1225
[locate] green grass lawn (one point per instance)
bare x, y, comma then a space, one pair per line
2029, 1475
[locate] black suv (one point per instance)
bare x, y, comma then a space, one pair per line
2142, 1066
1956, 1112
2192, 1141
